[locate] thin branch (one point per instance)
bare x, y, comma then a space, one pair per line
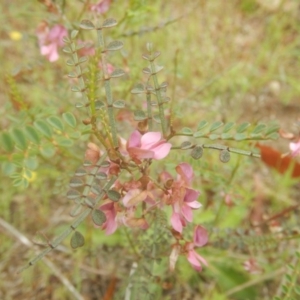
58, 273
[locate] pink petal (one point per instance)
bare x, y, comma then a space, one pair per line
162, 150
149, 139
185, 171
140, 153
191, 195
176, 222
295, 148
134, 140
200, 236
194, 204
187, 213
193, 260
174, 256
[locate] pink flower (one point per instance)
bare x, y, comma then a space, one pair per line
50, 40
295, 148
101, 7
110, 211
182, 198
200, 239
149, 145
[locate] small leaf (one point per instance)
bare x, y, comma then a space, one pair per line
76, 210
258, 129
87, 163
109, 23
146, 57
99, 104
69, 119
226, 136
224, 156
77, 240
79, 105
56, 123
186, 145
75, 89
47, 150
43, 127
101, 176
119, 104
105, 164
80, 172
7, 142
64, 141
215, 126
214, 136
117, 73
76, 182
187, 130
31, 162
74, 34
82, 59
139, 115
201, 125
197, 152
73, 194
113, 195
19, 138
72, 75
228, 126
157, 69
273, 136
199, 134
96, 189
242, 127
272, 128
98, 217
87, 25
70, 62
138, 89
240, 136
146, 71
32, 134
67, 50
114, 46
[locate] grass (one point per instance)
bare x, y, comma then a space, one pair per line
224, 60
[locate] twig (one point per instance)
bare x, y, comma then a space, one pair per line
25, 241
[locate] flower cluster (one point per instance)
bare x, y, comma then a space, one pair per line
50, 40
142, 195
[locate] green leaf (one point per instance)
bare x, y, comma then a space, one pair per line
199, 134
240, 136
76, 210
201, 125
63, 141
117, 73
226, 136
77, 240
258, 129
256, 136
272, 128
43, 127
74, 34
215, 126
197, 152
242, 127
186, 145
224, 156
8, 168
228, 126
31, 162
21, 182
139, 115
214, 136
119, 104
87, 25
109, 23
69, 119
273, 136
156, 118
186, 130
19, 138
80, 172
32, 134
73, 194
98, 217
113, 195
138, 89
76, 182
7, 142
56, 123
114, 46
297, 290
47, 150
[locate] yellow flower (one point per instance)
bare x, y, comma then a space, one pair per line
15, 35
